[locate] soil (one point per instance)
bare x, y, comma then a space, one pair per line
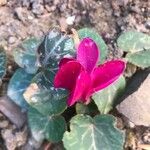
20, 19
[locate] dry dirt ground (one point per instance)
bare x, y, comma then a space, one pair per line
20, 19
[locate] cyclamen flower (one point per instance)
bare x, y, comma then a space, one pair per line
82, 77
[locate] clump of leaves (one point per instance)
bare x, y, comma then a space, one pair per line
137, 47
55, 75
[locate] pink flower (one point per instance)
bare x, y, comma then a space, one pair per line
82, 77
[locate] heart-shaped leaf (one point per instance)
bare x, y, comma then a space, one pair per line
98, 133
133, 41
42, 127
17, 85
26, 55
2, 63
47, 101
108, 97
140, 59
87, 32
54, 47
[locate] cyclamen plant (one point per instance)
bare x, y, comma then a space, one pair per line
55, 75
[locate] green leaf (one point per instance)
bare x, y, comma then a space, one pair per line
54, 47
17, 85
89, 109
2, 63
133, 41
47, 101
108, 97
25, 55
45, 78
42, 127
140, 59
87, 32
98, 133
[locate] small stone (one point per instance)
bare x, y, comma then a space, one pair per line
136, 106
14, 139
56, 2
50, 8
131, 124
12, 112
37, 9
70, 20
4, 124
26, 3
53, 8
30, 17
21, 14
146, 137
12, 39
3, 2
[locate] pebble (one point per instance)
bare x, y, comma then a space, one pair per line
12, 112
70, 20
4, 124
12, 39
146, 137
3, 2
30, 17
136, 105
37, 9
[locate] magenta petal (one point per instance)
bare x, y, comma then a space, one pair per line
67, 75
106, 74
81, 89
88, 54
65, 60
